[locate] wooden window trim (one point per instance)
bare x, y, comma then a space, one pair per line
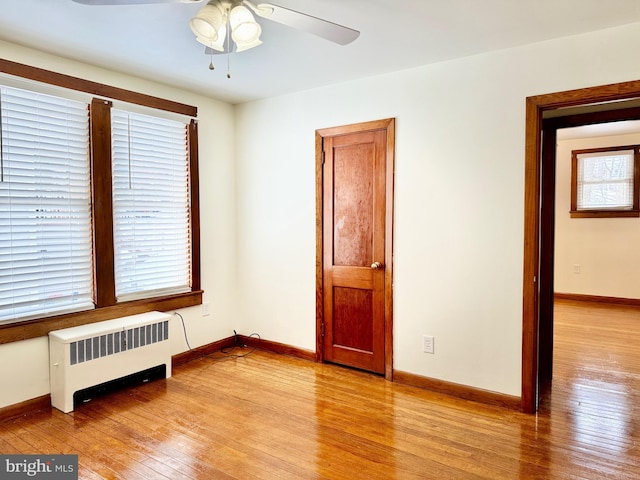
605, 213
101, 188
100, 128
13, 332
94, 88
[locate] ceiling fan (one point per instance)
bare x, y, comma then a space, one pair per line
225, 26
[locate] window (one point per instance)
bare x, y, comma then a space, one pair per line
98, 206
604, 182
45, 206
150, 174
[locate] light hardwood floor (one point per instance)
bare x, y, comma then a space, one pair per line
268, 416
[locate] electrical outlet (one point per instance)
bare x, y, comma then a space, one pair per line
427, 344
576, 268
205, 309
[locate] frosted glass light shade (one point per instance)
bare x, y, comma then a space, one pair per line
208, 23
216, 45
245, 30
241, 46
240, 14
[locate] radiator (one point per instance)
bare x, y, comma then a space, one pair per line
90, 355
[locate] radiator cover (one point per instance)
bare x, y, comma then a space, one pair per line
89, 355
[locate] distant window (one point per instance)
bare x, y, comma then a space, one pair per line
604, 182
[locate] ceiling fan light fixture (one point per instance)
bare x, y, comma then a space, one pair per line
263, 9
242, 46
208, 23
240, 14
217, 44
229, 25
245, 31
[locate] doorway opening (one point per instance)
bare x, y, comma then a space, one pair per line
544, 115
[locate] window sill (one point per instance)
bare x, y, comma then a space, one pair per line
14, 332
604, 213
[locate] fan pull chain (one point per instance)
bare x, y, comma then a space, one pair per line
211, 65
228, 50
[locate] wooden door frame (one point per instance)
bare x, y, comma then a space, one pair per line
537, 228
387, 125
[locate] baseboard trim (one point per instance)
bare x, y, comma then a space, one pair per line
276, 347
404, 378
577, 297
456, 390
23, 408
198, 352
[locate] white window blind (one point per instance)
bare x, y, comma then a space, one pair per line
46, 265
151, 206
605, 180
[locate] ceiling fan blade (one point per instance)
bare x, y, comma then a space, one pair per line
132, 2
307, 23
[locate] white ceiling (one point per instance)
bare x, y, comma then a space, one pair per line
599, 130
154, 41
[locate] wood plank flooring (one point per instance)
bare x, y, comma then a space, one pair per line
268, 416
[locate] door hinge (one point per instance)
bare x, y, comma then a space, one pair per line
323, 157
322, 329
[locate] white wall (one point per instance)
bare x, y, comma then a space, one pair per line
24, 370
606, 249
458, 217
458, 200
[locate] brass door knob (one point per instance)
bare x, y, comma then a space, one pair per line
376, 266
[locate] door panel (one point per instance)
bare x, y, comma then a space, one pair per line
354, 216
353, 204
350, 304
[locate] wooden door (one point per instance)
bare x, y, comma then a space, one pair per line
547, 253
356, 259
